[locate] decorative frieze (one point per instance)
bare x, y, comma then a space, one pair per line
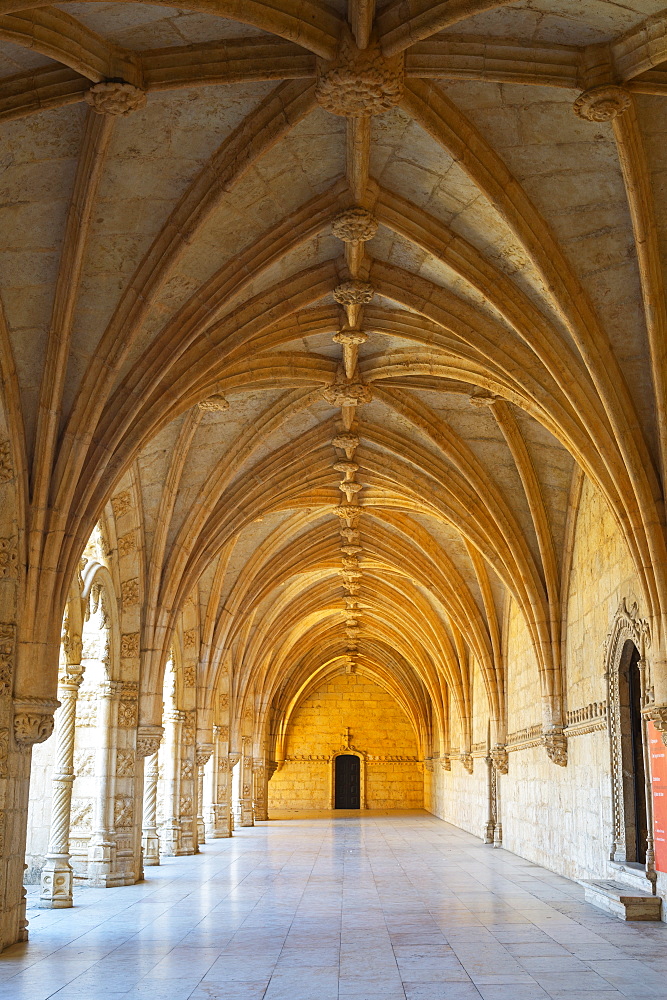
4, 752
6, 469
522, 739
7, 646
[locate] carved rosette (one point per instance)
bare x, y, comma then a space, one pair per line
33, 720
148, 740
555, 743
356, 225
214, 404
347, 394
500, 758
115, 98
357, 82
602, 104
353, 293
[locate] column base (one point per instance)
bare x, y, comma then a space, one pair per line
150, 844
247, 815
57, 883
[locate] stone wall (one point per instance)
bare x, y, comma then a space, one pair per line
559, 817
378, 729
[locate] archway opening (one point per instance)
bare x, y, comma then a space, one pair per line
347, 792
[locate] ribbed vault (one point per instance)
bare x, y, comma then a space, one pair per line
346, 302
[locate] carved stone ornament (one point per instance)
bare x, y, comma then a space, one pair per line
555, 743
445, 762
129, 591
353, 293
347, 468
352, 588
347, 394
214, 404
350, 338
8, 558
129, 644
355, 225
481, 399
33, 720
7, 644
348, 442
148, 740
500, 758
347, 512
351, 550
203, 753
115, 98
6, 471
121, 503
602, 104
127, 544
357, 82
351, 535
467, 761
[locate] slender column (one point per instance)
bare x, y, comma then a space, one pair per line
202, 757
171, 827
246, 797
261, 790
102, 844
57, 875
148, 743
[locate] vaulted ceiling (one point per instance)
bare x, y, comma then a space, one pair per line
350, 296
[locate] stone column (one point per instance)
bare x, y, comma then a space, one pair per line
202, 757
217, 813
246, 797
171, 827
57, 875
102, 844
261, 790
148, 743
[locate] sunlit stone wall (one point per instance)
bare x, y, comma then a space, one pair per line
379, 730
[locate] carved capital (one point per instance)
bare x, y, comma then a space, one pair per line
467, 761
115, 98
602, 104
555, 743
353, 293
148, 740
357, 82
500, 758
355, 225
203, 753
445, 762
33, 720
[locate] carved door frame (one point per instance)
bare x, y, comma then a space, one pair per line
348, 751
627, 627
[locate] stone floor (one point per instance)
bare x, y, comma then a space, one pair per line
379, 907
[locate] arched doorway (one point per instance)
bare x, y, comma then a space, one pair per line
347, 787
632, 753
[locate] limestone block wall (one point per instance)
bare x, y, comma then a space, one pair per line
559, 817
379, 729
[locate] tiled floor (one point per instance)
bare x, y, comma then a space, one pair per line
384, 907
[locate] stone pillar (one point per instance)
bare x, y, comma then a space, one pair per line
188, 785
246, 797
32, 723
148, 742
171, 827
261, 790
57, 875
202, 757
102, 844
217, 814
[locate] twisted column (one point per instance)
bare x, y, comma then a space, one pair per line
150, 841
57, 876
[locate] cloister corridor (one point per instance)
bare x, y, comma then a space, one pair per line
376, 906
